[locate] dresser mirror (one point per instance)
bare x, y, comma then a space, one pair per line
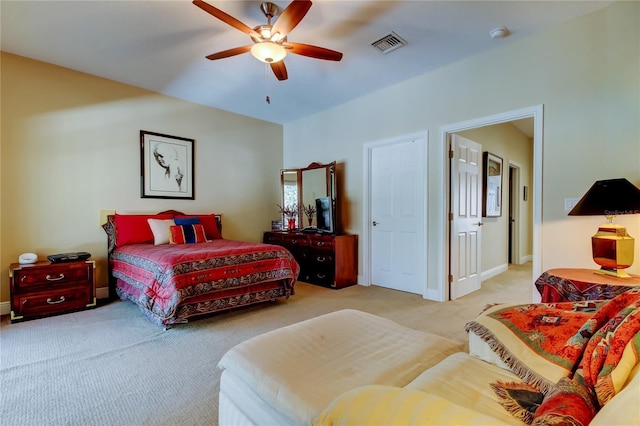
302, 187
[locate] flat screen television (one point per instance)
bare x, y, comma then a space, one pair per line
324, 215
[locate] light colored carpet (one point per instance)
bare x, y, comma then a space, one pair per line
111, 366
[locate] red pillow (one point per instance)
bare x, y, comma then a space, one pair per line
186, 234
208, 221
134, 229
570, 403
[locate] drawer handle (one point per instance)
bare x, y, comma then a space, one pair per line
320, 243
321, 276
55, 302
60, 277
321, 258
294, 242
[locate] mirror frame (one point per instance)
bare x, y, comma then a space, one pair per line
330, 189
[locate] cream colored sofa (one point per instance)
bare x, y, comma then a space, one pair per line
293, 374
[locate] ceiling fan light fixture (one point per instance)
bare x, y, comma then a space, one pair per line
268, 52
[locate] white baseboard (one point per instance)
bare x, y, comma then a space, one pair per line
101, 293
5, 308
525, 259
494, 271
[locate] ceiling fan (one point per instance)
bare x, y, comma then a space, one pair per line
270, 41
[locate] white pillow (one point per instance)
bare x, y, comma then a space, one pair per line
160, 229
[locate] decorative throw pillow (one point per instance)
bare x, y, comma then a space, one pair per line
187, 234
160, 230
134, 229
208, 221
390, 405
570, 403
519, 399
187, 220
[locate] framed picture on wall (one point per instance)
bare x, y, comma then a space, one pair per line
491, 185
166, 166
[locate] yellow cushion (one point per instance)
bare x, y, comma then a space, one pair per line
389, 405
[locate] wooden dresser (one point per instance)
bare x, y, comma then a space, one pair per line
44, 288
326, 260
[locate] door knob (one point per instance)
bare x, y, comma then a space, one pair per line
374, 223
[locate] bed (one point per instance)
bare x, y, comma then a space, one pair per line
176, 266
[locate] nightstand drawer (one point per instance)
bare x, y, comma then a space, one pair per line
54, 301
61, 274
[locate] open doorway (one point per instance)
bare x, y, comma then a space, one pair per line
533, 193
518, 223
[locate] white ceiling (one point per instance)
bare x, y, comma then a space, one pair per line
161, 45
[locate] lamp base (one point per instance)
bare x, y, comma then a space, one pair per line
612, 249
620, 273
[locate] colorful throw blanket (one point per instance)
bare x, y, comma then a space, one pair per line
599, 341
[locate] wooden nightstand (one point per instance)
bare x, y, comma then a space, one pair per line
44, 288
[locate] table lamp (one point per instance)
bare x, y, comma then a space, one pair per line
612, 246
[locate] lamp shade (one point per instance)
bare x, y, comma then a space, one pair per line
610, 197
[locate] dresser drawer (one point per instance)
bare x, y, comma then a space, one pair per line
273, 238
322, 243
53, 301
322, 257
62, 274
295, 240
322, 275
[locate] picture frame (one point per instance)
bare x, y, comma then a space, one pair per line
166, 166
491, 185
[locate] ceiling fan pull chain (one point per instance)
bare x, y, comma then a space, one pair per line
266, 84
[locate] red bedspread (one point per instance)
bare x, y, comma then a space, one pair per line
171, 282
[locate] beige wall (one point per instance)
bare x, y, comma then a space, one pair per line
507, 142
586, 73
70, 148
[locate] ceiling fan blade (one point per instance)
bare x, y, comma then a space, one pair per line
279, 70
312, 51
230, 52
291, 16
224, 17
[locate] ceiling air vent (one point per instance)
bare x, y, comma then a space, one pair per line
389, 43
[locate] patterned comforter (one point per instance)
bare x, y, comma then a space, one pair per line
173, 282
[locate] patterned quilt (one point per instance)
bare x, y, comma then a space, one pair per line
172, 282
597, 341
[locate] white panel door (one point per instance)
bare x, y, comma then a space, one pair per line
397, 216
466, 216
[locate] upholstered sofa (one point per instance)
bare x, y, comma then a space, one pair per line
353, 368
